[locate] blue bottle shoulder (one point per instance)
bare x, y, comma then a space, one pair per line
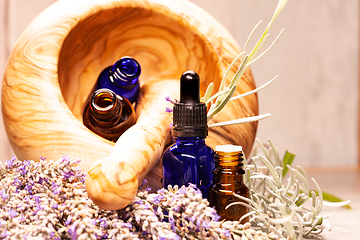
189, 160
130, 93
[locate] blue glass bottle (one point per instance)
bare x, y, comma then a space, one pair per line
122, 78
189, 159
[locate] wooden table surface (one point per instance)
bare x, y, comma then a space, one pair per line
345, 223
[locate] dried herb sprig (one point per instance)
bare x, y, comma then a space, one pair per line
191, 217
218, 101
283, 205
47, 200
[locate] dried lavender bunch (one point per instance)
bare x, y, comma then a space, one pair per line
47, 200
189, 216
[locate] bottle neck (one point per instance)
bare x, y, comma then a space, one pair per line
190, 138
125, 73
105, 106
229, 167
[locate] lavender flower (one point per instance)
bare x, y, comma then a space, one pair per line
168, 110
9, 163
12, 213
171, 101
48, 200
3, 194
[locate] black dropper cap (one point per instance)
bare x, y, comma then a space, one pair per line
189, 115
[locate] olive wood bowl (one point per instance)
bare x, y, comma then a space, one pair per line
55, 63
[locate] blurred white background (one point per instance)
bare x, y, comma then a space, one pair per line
314, 101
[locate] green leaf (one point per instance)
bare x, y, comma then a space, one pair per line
253, 91
221, 104
241, 55
249, 37
332, 198
208, 92
239, 72
287, 160
271, 169
218, 94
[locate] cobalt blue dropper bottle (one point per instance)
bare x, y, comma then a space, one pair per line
189, 159
122, 78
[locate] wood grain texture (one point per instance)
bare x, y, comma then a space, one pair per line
55, 63
330, 28
112, 182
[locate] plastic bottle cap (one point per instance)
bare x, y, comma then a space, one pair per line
189, 115
228, 148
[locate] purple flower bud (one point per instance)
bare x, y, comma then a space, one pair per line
4, 234
176, 208
16, 182
12, 213
206, 224
227, 233
162, 191
191, 185
182, 190
37, 199
103, 223
74, 235
67, 222
144, 182
172, 221
171, 101
39, 207
168, 110
3, 195
69, 174
127, 225
9, 163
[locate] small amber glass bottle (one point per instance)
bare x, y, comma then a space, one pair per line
228, 179
108, 115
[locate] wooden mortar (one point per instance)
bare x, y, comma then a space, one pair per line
57, 59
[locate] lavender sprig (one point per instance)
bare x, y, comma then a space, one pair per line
47, 200
190, 216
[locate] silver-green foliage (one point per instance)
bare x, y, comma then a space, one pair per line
279, 202
225, 93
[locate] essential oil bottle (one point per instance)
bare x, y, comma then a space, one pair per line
189, 159
229, 179
122, 78
108, 115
